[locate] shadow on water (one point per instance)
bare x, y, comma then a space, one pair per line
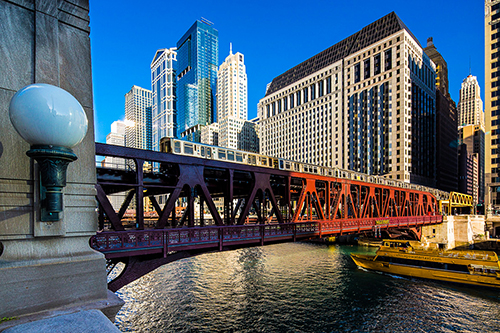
298, 287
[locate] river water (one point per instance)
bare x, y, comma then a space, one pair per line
298, 287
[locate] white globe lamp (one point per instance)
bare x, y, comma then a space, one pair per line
52, 121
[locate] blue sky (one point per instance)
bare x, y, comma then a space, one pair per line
274, 36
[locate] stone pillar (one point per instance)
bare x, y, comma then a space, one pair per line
46, 266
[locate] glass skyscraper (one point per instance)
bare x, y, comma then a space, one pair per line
197, 59
163, 83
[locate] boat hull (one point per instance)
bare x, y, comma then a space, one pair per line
368, 262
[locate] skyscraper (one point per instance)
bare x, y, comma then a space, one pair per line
197, 60
492, 103
235, 131
163, 84
446, 124
470, 105
138, 118
366, 104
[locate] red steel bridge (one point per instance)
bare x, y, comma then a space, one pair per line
232, 205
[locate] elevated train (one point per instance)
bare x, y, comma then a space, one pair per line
187, 148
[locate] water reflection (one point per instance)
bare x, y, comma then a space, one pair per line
297, 287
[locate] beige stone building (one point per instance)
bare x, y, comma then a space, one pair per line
366, 104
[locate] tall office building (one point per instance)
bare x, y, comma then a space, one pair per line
366, 104
472, 137
235, 131
492, 103
116, 137
197, 60
446, 124
470, 105
163, 84
138, 118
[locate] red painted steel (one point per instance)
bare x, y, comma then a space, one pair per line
261, 206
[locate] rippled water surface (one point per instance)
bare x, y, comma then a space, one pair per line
298, 287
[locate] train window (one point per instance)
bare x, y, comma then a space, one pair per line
296, 166
239, 157
275, 164
270, 162
251, 159
202, 151
230, 155
263, 161
287, 165
209, 153
281, 164
177, 147
222, 154
188, 148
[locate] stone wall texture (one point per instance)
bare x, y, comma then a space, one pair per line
46, 265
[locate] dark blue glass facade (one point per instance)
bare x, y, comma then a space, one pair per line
197, 61
369, 130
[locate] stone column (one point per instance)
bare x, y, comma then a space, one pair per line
46, 266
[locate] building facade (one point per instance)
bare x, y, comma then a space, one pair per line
492, 103
210, 134
470, 105
366, 104
138, 118
446, 124
116, 137
473, 137
163, 85
197, 61
235, 131
469, 176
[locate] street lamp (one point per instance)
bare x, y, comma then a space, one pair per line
52, 121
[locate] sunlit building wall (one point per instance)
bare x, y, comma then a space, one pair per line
163, 84
138, 118
366, 104
470, 105
235, 131
491, 105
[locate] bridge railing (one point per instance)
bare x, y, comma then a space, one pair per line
142, 242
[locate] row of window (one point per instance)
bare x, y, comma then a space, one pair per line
315, 90
376, 66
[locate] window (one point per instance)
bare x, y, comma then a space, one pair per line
376, 64
388, 59
366, 69
357, 74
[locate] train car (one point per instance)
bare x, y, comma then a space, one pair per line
187, 148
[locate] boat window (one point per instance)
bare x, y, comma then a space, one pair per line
177, 147
222, 154
239, 157
230, 155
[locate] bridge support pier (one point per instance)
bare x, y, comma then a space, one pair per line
47, 268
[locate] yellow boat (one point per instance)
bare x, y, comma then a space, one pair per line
414, 259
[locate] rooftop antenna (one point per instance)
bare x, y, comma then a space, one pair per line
470, 71
206, 21
230, 48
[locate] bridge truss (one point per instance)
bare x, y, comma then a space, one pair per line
230, 205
